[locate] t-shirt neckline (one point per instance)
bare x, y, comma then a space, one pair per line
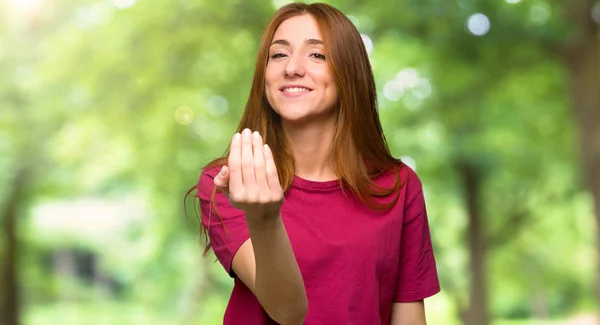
316, 185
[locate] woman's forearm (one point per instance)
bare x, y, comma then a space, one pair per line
278, 283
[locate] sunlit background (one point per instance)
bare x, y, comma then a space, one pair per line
109, 110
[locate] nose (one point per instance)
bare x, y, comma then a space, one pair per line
295, 66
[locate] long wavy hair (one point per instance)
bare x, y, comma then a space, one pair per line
360, 151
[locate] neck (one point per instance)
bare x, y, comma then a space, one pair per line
311, 146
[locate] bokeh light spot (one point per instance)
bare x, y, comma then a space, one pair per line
184, 115
478, 24
217, 105
423, 89
408, 77
539, 13
393, 91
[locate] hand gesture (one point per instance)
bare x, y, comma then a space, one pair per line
250, 179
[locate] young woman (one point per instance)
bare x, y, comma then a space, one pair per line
308, 211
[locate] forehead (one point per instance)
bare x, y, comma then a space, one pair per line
298, 28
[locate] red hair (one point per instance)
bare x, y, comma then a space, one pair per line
360, 150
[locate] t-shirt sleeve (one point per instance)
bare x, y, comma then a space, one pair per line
226, 226
417, 276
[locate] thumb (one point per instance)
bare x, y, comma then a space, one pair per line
222, 180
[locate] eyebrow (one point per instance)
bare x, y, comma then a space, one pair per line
309, 41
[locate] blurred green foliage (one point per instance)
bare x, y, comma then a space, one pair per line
112, 107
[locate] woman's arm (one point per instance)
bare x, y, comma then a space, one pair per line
265, 262
267, 266
408, 313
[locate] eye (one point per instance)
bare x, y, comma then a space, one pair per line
277, 55
318, 55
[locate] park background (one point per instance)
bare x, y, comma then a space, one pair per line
109, 109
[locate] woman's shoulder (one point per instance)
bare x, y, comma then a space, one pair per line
402, 173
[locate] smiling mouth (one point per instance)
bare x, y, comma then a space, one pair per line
295, 89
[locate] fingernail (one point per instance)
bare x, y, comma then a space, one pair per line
256, 134
247, 132
222, 172
237, 137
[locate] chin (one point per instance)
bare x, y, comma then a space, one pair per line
307, 118
292, 112
294, 118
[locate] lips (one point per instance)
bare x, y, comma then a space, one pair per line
295, 89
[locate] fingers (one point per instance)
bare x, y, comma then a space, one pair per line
250, 169
235, 162
259, 160
271, 169
222, 180
248, 177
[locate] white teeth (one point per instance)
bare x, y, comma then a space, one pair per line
295, 90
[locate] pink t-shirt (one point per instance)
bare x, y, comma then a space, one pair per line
355, 262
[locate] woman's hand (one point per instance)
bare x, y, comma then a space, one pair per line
250, 179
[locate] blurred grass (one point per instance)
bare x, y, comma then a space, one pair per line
93, 313
116, 313
121, 313
209, 312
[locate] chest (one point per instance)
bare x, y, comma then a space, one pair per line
336, 233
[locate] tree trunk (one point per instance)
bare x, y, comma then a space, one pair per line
582, 60
477, 313
10, 307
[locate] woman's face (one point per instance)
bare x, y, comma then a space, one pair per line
298, 82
